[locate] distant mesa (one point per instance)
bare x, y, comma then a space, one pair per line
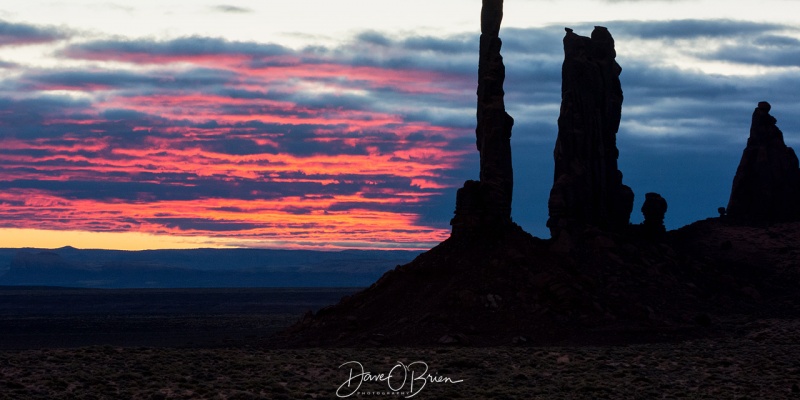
587, 186
70, 267
766, 187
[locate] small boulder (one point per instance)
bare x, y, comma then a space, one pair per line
654, 209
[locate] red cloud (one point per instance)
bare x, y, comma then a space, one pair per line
265, 149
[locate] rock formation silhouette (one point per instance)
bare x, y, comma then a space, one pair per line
492, 283
587, 187
487, 203
653, 209
766, 187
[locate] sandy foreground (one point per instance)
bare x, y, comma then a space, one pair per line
759, 361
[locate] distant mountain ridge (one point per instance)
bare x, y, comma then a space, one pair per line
71, 267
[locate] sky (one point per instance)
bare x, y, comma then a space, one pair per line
350, 124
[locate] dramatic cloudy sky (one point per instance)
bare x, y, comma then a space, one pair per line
350, 123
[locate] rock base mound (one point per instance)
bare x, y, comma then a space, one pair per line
511, 288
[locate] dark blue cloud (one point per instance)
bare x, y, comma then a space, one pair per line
226, 8
457, 44
181, 47
777, 41
172, 186
15, 34
27, 118
545, 41
189, 224
422, 45
374, 38
692, 28
117, 79
785, 55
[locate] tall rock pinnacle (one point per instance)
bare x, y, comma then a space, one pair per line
487, 203
766, 187
587, 187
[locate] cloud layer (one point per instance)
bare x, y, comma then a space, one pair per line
15, 34
365, 142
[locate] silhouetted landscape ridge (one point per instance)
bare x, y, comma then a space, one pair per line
599, 279
70, 267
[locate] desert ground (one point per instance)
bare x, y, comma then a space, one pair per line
762, 363
228, 355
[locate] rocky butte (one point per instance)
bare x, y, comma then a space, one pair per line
587, 186
766, 187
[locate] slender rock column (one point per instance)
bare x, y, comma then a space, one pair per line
587, 186
487, 203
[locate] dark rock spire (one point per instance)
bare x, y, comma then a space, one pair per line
487, 203
766, 187
587, 188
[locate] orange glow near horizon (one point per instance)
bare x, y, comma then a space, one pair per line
52, 239
135, 241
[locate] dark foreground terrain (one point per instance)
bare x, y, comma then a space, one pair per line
215, 344
42, 317
760, 361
